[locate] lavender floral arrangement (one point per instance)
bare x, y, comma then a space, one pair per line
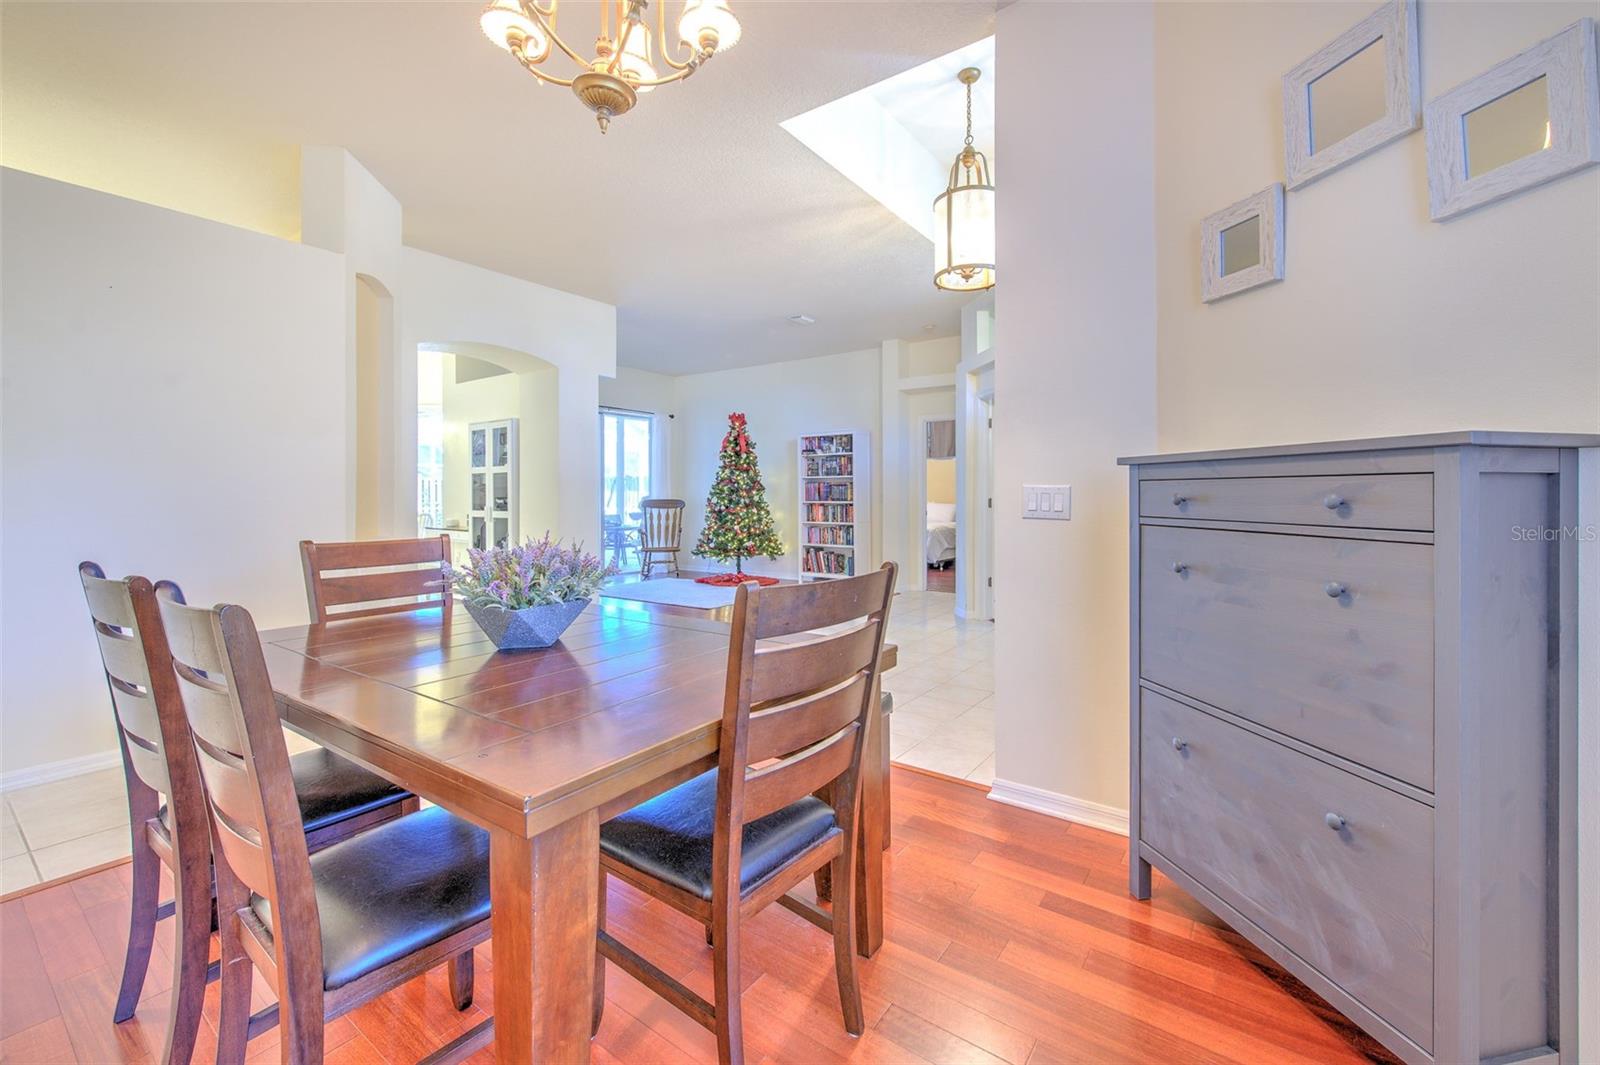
535, 573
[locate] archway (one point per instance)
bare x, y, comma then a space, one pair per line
488, 445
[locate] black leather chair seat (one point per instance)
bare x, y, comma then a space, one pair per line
389, 891
669, 837
333, 789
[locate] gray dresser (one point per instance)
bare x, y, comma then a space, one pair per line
1354, 719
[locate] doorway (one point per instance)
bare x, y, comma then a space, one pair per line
625, 482
939, 547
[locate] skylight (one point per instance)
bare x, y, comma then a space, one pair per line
896, 140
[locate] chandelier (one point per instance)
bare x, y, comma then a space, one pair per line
963, 216
622, 67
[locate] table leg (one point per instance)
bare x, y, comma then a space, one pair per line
543, 892
869, 859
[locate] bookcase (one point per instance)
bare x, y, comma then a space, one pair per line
835, 470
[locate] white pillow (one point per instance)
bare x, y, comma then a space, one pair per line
941, 512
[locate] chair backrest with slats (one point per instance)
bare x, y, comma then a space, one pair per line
144, 697
256, 828
795, 713
661, 524
422, 576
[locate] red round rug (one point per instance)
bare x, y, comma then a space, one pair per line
730, 579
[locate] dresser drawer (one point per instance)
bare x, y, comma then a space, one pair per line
1245, 621
1387, 501
1249, 819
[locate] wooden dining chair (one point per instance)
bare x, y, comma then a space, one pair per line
781, 804
329, 931
660, 533
421, 585
337, 798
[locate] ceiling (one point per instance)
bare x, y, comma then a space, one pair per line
697, 215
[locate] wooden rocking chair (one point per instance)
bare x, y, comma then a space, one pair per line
660, 533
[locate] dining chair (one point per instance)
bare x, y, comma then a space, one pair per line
423, 584
337, 798
781, 804
330, 930
660, 533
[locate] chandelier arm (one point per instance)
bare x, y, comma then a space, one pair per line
549, 27
661, 39
626, 31
552, 79
668, 79
532, 7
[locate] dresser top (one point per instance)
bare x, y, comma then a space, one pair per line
1466, 437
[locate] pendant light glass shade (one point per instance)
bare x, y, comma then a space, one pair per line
635, 59
505, 23
963, 217
963, 238
708, 22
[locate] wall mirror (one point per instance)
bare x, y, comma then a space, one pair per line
1241, 246
1358, 92
1521, 123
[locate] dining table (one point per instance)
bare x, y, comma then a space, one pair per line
539, 747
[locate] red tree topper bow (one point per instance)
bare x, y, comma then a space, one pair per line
736, 424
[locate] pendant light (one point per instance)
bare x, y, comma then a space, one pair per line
963, 216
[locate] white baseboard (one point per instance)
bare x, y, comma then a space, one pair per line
52, 771
1066, 807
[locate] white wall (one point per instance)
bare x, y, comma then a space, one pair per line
162, 415
131, 330
1386, 323
1074, 383
455, 304
782, 401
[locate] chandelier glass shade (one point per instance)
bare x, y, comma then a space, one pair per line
963, 216
624, 63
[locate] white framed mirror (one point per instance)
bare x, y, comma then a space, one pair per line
1357, 93
1521, 123
1241, 246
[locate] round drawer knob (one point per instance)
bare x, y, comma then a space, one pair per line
1178, 499
1333, 501
1334, 821
1179, 744
1335, 590
1180, 568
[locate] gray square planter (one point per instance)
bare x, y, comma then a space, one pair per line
528, 628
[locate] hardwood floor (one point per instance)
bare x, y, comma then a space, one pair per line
1010, 937
942, 580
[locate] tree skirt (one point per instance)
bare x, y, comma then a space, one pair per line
734, 579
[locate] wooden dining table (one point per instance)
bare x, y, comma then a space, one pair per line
539, 748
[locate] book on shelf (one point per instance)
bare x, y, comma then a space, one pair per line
839, 535
831, 444
836, 513
830, 491
830, 466
829, 563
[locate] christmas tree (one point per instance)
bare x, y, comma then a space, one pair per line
738, 522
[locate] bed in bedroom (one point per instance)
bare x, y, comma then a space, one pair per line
939, 544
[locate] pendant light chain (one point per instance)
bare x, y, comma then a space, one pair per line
969, 114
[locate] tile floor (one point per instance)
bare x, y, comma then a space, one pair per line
66, 826
943, 688
943, 721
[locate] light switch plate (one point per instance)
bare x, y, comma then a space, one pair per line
1052, 502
